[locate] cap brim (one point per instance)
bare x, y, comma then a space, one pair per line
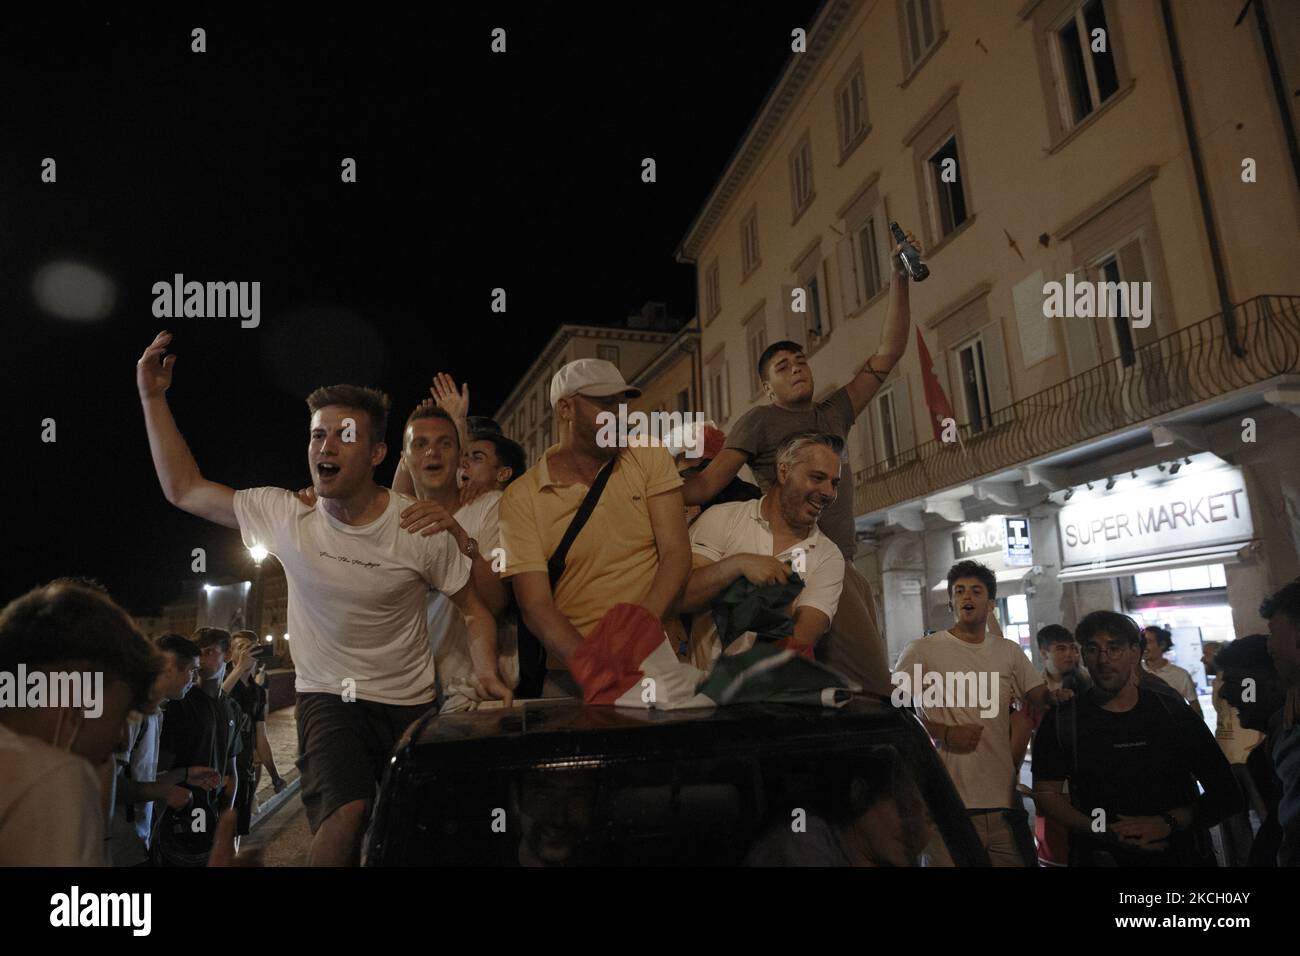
604, 391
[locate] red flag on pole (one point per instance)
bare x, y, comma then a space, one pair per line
935, 399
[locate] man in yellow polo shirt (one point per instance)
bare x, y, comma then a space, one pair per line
634, 548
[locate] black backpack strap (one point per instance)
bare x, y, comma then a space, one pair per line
555, 565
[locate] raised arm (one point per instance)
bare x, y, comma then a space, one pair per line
702, 488
178, 472
455, 404
893, 338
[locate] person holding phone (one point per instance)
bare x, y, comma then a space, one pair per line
247, 661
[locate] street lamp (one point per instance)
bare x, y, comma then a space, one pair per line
253, 612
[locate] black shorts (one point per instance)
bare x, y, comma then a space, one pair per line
343, 748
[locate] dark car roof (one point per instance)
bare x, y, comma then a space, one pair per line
568, 717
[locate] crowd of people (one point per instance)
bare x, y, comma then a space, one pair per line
471, 581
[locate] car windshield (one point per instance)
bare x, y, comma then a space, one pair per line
860, 807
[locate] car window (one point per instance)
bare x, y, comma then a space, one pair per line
829, 807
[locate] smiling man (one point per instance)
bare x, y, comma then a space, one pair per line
358, 585
762, 540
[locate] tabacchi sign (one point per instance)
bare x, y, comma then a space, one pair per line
1192, 512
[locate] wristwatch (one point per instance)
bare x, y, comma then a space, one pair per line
471, 549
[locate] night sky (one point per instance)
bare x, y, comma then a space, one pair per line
474, 170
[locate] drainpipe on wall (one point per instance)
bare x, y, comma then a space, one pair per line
1275, 76
1202, 189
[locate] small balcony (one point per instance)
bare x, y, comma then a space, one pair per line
1191, 365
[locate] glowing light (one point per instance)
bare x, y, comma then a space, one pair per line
258, 553
74, 290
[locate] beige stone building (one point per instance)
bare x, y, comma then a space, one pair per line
1148, 461
651, 350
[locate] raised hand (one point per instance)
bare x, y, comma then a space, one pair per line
455, 404
899, 269
153, 373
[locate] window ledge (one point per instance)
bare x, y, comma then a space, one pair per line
880, 296
1067, 138
938, 246
813, 346
853, 144
916, 67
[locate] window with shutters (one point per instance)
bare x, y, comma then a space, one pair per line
801, 176
975, 385
851, 110
1081, 62
1085, 62
756, 336
717, 388
942, 173
712, 292
861, 254
607, 352
815, 319
921, 33
749, 258
887, 428
949, 206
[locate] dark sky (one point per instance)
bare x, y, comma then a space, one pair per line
474, 171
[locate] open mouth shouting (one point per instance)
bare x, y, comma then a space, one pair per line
327, 471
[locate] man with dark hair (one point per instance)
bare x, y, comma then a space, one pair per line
200, 730
139, 785
764, 540
1248, 682
1133, 758
97, 668
977, 675
241, 683
856, 646
1282, 611
491, 461
1156, 643
358, 588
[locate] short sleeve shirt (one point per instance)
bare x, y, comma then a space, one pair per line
50, 811
985, 678
357, 593
739, 528
759, 433
614, 559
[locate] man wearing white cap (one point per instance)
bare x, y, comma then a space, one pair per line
633, 548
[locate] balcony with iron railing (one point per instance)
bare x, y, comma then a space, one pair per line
1188, 366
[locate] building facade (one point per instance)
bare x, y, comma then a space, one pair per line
1143, 455
649, 337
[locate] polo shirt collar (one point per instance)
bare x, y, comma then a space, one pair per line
755, 513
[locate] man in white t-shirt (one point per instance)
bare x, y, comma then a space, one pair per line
431, 461
765, 539
1156, 643
357, 591
51, 804
967, 679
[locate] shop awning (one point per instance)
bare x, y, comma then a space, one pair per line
1004, 576
1220, 554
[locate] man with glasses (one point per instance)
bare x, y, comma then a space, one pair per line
1133, 758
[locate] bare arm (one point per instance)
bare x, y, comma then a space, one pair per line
708, 579
893, 338
482, 627
402, 483
178, 472
810, 624
1052, 801
537, 605
702, 488
264, 753
668, 522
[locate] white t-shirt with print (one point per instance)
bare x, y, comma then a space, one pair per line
357, 593
738, 527
50, 812
984, 777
